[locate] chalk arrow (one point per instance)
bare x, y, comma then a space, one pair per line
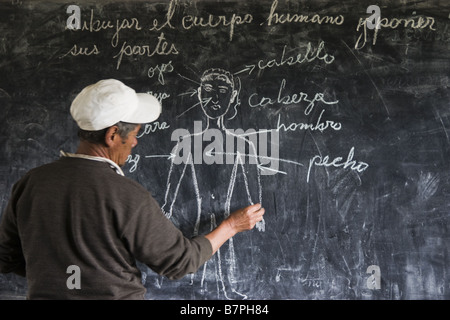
168, 156
248, 68
191, 92
262, 168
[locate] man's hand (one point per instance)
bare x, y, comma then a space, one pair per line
240, 220
245, 218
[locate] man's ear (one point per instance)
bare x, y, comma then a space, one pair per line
111, 136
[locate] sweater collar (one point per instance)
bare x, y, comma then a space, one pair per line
111, 163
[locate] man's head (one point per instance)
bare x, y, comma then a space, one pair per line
216, 92
118, 140
109, 115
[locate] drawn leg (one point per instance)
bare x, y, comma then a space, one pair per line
232, 257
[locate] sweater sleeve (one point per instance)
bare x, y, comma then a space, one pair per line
155, 241
11, 255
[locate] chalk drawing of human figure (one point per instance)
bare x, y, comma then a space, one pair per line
218, 181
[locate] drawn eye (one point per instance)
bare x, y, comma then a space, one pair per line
207, 88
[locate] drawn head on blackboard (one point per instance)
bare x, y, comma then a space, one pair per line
216, 92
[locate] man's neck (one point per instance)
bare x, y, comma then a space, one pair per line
92, 149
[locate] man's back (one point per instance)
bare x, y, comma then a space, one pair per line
73, 212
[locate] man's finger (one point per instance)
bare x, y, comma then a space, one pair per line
253, 208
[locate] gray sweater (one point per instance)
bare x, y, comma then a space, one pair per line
81, 212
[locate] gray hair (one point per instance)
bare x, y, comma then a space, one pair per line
98, 137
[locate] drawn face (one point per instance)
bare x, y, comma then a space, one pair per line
216, 95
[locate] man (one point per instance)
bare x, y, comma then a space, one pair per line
76, 227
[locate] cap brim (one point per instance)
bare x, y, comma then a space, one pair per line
148, 110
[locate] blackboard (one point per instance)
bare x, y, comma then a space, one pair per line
346, 104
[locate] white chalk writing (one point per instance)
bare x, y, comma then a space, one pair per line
393, 23
212, 21
255, 101
319, 125
310, 55
325, 161
77, 51
162, 47
153, 127
160, 70
276, 18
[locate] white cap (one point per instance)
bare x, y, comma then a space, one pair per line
107, 102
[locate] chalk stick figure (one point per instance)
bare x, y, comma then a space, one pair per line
217, 93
